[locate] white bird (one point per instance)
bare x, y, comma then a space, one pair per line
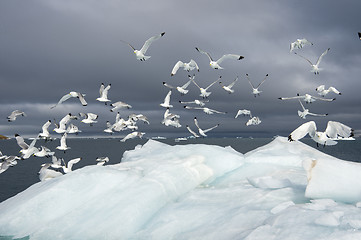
253, 121
192, 132
255, 90
333, 131
299, 43
45, 173
44, 152
140, 54
109, 128
186, 66
132, 135
166, 102
229, 87
243, 112
306, 112
67, 168
8, 161
56, 162
61, 127
137, 117
205, 110
102, 160
315, 69
204, 93
14, 114
308, 98
181, 89
73, 94
73, 129
44, 134
201, 103
89, 118
103, 92
215, 64
26, 150
321, 90
63, 146
170, 119
118, 105
201, 131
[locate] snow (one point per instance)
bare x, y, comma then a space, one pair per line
283, 190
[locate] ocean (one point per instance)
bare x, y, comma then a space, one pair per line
18, 178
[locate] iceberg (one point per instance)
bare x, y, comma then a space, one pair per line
283, 190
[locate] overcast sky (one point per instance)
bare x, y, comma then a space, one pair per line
51, 47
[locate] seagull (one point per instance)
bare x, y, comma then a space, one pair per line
56, 162
73, 129
140, 54
70, 95
61, 127
109, 128
204, 93
137, 117
26, 150
14, 114
253, 121
44, 134
215, 64
315, 69
45, 173
308, 98
170, 119
63, 146
321, 90
205, 110
166, 102
67, 168
229, 87
102, 160
89, 118
201, 131
118, 105
186, 66
333, 130
103, 91
7, 161
181, 89
192, 132
44, 152
299, 43
132, 135
201, 103
255, 90
306, 112
244, 112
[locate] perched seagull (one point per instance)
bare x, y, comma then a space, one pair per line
67, 168
308, 98
103, 91
166, 102
205, 110
253, 121
44, 152
299, 43
118, 105
140, 54
315, 69
102, 160
229, 87
201, 131
70, 95
244, 112
44, 134
333, 131
132, 135
192, 132
186, 66
45, 173
89, 118
201, 103
321, 90
255, 90
26, 150
306, 112
215, 64
14, 114
181, 89
204, 93
63, 146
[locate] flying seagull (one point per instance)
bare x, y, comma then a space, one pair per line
308, 98
140, 54
228, 88
63, 146
67, 168
255, 90
201, 131
306, 112
196, 101
244, 112
44, 134
132, 135
333, 131
89, 118
70, 95
103, 91
299, 43
204, 93
215, 64
205, 110
14, 114
315, 69
181, 89
321, 90
191, 65
166, 102
118, 105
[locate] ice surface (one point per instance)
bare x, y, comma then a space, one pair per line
195, 191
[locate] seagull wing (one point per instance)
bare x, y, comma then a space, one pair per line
72, 162
167, 85
176, 67
209, 129
210, 85
229, 56
317, 115
320, 57
196, 123
193, 63
101, 90
250, 83
150, 41
287, 98
304, 58
46, 126
192, 132
20, 141
196, 83
206, 53
324, 99
128, 44
186, 84
82, 99
306, 128
334, 90
262, 81
232, 84
64, 98
167, 97
302, 105
335, 129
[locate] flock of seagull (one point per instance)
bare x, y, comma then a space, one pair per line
333, 132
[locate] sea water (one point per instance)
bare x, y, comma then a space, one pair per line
18, 178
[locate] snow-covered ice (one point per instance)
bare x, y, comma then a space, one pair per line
283, 190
